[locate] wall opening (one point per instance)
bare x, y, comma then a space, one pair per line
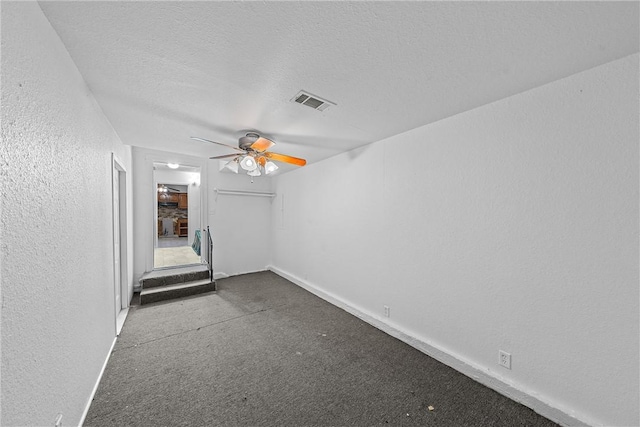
176, 216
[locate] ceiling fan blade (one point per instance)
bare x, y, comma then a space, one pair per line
284, 158
262, 144
225, 156
219, 143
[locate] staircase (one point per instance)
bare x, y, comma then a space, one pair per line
161, 285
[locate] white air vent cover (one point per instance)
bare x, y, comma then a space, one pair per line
315, 102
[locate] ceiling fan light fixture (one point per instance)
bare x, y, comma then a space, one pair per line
232, 166
173, 165
248, 163
255, 172
270, 167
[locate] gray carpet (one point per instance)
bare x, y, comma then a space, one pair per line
264, 352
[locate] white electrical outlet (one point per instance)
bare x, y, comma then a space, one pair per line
58, 422
504, 359
387, 311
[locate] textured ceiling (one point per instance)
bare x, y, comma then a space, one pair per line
164, 71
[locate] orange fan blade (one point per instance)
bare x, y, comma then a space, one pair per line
261, 144
286, 159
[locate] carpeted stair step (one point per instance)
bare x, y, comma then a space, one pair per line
177, 290
160, 285
173, 278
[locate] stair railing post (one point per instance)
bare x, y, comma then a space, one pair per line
210, 253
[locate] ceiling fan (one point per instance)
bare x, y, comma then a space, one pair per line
252, 155
162, 188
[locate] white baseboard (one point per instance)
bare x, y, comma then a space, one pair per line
95, 387
222, 275
120, 318
219, 275
477, 373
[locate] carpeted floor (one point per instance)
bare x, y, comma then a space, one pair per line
264, 352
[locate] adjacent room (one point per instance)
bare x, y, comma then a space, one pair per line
177, 214
320, 213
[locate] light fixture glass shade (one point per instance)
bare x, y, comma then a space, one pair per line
248, 163
255, 172
232, 166
270, 167
173, 165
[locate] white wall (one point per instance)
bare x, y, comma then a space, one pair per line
194, 214
240, 225
58, 315
513, 226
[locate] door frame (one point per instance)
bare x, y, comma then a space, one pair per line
145, 203
182, 181
119, 188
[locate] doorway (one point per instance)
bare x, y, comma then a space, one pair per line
121, 286
176, 216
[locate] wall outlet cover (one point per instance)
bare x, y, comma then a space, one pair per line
504, 359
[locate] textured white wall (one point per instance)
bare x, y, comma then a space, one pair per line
57, 254
513, 226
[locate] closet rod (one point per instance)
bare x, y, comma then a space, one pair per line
244, 193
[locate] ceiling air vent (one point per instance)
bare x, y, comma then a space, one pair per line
305, 98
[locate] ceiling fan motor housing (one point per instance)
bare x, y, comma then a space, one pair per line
246, 141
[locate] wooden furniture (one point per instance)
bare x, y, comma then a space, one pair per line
183, 201
182, 227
